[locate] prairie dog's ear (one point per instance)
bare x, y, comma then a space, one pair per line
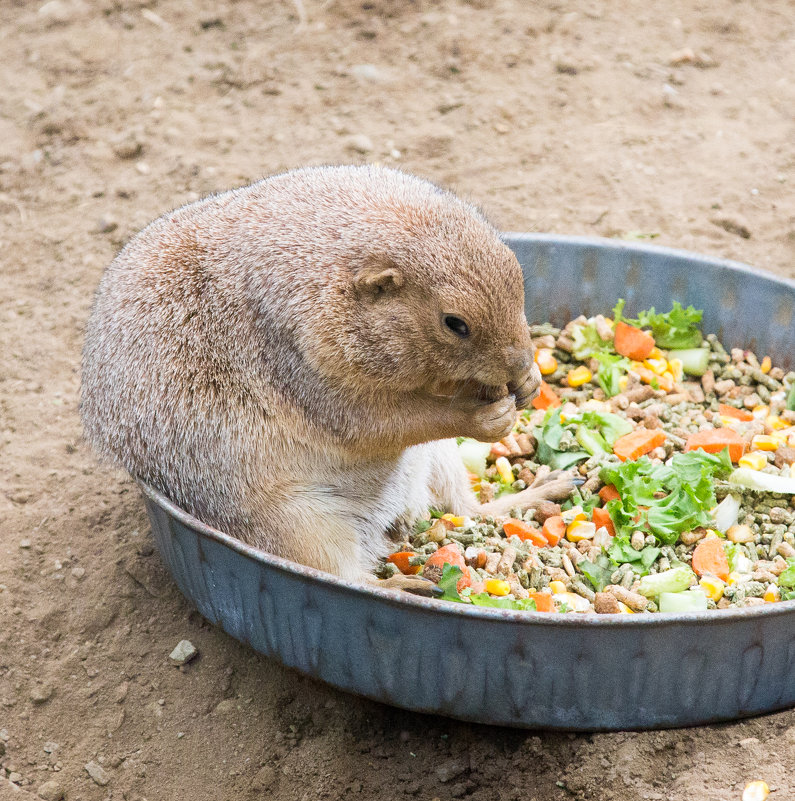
376, 280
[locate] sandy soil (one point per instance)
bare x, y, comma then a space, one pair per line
622, 118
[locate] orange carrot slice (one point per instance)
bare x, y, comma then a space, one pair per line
714, 440
401, 562
449, 555
547, 397
543, 601
733, 411
709, 557
609, 493
554, 528
632, 342
601, 517
633, 445
524, 531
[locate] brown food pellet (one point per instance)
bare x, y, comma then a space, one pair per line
605, 603
545, 510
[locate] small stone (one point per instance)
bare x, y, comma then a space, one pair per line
449, 771
41, 693
369, 73
50, 747
129, 148
25, 544
56, 12
225, 707
748, 742
733, 226
265, 778
105, 225
360, 143
51, 791
97, 773
15, 777
78, 572
184, 652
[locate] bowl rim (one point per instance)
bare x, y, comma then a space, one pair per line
656, 250
401, 599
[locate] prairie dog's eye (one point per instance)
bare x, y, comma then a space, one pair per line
457, 325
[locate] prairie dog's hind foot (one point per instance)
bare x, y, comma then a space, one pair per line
553, 486
417, 585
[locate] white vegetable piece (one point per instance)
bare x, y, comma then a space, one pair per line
726, 512
766, 482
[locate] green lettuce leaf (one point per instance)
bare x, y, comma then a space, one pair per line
786, 580
611, 368
678, 329
548, 437
587, 342
448, 582
598, 572
665, 499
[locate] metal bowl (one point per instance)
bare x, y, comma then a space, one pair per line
576, 672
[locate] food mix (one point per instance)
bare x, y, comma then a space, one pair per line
684, 457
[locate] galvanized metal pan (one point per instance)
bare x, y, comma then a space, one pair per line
577, 672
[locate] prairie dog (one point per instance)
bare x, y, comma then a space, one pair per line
288, 361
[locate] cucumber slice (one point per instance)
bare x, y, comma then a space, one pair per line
694, 601
473, 455
694, 360
677, 579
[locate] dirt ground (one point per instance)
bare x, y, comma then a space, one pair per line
625, 118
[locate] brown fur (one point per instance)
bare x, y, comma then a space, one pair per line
274, 359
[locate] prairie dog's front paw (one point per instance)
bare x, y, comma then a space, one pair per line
495, 421
526, 388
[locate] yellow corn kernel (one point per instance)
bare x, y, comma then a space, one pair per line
624, 609
546, 362
766, 365
504, 469
756, 791
575, 513
792, 470
579, 376
655, 353
754, 460
676, 369
557, 587
761, 411
730, 422
580, 530
623, 382
712, 586
764, 442
711, 534
775, 423
658, 366
497, 587
455, 519
772, 594
734, 577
